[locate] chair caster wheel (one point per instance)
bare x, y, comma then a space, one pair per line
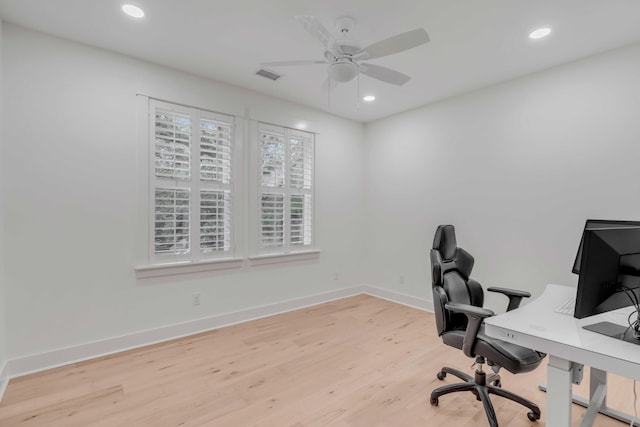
532, 416
441, 375
434, 401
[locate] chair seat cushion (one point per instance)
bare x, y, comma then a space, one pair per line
512, 357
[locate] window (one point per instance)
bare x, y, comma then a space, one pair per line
191, 180
285, 189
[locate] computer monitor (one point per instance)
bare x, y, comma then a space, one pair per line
609, 278
592, 224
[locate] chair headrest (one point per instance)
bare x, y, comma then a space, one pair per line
445, 241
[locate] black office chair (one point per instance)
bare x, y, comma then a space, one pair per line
457, 301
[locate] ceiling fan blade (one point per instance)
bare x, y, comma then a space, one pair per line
317, 30
287, 63
395, 44
384, 74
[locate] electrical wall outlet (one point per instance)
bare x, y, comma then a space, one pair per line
196, 299
402, 279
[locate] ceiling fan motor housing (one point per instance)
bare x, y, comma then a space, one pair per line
344, 24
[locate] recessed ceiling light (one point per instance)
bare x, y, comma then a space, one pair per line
540, 33
133, 11
369, 98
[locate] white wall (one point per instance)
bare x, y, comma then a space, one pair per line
3, 321
71, 199
516, 167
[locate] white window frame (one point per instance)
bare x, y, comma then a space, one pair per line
257, 190
195, 185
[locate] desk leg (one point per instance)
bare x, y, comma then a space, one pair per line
598, 399
596, 378
597, 396
558, 392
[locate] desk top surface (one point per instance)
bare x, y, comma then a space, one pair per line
537, 325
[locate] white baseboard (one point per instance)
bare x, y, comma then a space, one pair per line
4, 379
55, 358
404, 299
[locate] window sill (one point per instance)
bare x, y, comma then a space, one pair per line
186, 267
282, 257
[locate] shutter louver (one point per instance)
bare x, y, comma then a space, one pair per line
215, 221
171, 225
272, 159
215, 151
301, 162
272, 220
301, 220
172, 145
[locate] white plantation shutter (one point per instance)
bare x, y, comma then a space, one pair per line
216, 189
215, 221
301, 228
301, 182
301, 164
172, 144
215, 150
272, 157
272, 220
192, 183
171, 222
285, 181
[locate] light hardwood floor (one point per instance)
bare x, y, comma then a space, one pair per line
360, 361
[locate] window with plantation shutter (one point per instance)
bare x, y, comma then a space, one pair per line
285, 189
192, 183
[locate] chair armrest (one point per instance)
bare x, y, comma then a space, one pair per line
515, 296
475, 315
469, 310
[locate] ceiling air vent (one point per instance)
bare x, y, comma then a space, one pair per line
268, 74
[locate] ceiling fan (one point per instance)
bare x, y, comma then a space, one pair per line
344, 56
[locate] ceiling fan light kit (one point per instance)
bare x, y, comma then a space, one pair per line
343, 71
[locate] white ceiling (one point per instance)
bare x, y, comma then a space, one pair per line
474, 43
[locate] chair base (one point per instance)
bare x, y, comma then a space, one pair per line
481, 387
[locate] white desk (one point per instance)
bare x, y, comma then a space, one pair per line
537, 326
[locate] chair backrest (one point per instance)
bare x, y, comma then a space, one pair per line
450, 269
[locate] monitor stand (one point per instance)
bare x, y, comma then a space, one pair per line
613, 330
